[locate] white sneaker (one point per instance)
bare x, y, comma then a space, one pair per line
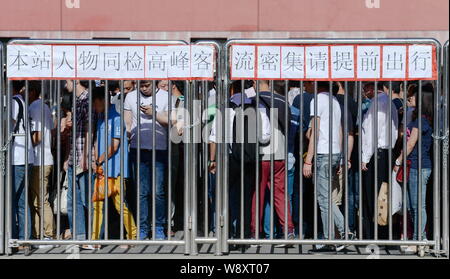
46, 246
88, 247
410, 250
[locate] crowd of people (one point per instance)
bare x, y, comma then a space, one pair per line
137, 143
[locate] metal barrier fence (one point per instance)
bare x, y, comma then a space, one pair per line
219, 194
263, 60
445, 154
2, 152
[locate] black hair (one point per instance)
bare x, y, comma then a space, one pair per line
427, 106
279, 87
179, 85
294, 83
248, 84
113, 85
84, 83
66, 100
17, 85
35, 86
396, 85
98, 93
237, 86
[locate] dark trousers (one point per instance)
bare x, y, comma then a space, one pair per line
382, 157
235, 196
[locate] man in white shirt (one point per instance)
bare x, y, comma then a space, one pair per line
41, 133
147, 111
323, 120
19, 163
378, 153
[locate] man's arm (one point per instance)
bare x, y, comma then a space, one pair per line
307, 167
128, 117
112, 149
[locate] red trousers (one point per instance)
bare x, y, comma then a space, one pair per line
278, 195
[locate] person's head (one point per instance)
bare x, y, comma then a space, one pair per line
146, 87
178, 87
309, 86
163, 84
98, 99
279, 86
264, 85
83, 84
113, 87
18, 86
323, 86
427, 105
128, 86
34, 90
396, 86
294, 84
66, 100
369, 90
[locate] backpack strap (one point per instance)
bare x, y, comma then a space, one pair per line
20, 117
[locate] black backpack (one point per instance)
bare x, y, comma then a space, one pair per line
250, 137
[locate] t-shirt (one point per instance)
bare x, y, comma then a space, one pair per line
399, 106
352, 114
18, 145
427, 142
323, 112
162, 104
36, 126
114, 127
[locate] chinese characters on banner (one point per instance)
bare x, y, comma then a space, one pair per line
111, 62
333, 62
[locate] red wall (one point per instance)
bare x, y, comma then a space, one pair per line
224, 15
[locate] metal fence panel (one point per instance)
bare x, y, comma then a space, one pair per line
445, 154
370, 234
2, 157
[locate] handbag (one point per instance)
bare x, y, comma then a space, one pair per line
382, 204
99, 187
401, 170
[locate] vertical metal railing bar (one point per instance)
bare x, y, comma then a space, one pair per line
154, 92
360, 187
315, 158
8, 192
205, 159
193, 168
286, 137
169, 163
90, 144
58, 161
241, 140
330, 164
258, 188
300, 163
106, 173
346, 158
2, 157
445, 197
27, 159
272, 143
74, 159
219, 156
138, 159
389, 116
375, 161
122, 161
41, 170
187, 181
405, 155
419, 162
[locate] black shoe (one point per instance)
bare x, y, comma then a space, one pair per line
324, 249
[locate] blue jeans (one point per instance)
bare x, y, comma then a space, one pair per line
290, 190
145, 189
82, 202
353, 197
19, 203
413, 199
323, 188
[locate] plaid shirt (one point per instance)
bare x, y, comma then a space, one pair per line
82, 127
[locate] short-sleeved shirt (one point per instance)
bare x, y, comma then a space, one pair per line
114, 132
37, 125
323, 112
146, 128
427, 142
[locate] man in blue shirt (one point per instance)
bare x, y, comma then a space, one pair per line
114, 145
